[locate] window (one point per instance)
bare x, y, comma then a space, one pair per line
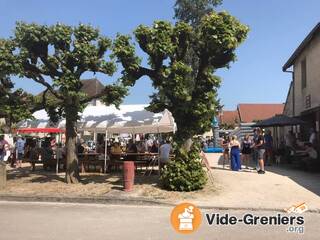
308, 101
303, 73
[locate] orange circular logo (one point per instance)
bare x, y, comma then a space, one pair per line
186, 218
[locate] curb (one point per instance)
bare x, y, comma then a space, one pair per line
86, 200
132, 201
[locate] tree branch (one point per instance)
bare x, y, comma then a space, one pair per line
35, 73
52, 69
40, 79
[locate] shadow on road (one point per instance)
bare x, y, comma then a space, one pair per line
308, 180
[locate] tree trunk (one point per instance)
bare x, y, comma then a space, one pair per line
72, 169
7, 125
184, 140
186, 145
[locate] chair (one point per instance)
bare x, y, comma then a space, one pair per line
153, 161
205, 162
115, 162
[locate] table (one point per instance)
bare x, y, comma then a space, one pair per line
297, 158
87, 159
148, 159
301, 153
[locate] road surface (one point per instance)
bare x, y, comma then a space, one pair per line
88, 221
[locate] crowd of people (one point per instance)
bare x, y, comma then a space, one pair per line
260, 148
14, 151
149, 145
29, 148
309, 155
45, 149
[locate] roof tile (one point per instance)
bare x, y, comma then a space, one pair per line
256, 112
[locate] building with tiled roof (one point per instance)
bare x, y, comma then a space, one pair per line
228, 119
91, 87
253, 112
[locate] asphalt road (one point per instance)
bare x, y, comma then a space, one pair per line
87, 221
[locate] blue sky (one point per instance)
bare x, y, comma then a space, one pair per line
277, 27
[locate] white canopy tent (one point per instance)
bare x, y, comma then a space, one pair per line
127, 119
108, 119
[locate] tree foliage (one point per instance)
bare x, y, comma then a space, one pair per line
63, 53
56, 57
192, 11
190, 94
16, 105
186, 172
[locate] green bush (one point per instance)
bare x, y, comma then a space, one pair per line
185, 172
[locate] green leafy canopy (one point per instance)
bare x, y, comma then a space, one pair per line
192, 11
189, 93
16, 105
63, 54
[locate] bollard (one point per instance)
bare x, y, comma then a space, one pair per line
128, 175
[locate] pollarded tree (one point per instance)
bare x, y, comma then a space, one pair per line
56, 57
189, 93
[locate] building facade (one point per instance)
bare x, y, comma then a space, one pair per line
303, 98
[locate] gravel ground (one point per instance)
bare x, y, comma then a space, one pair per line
24, 182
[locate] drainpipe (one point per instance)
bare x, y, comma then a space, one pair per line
293, 99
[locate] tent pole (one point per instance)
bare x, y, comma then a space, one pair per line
95, 138
277, 137
57, 158
105, 151
158, 151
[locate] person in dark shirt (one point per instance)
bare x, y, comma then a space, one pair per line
259, 146
80, 148
154, 147
132, 148
246, 150
268, 140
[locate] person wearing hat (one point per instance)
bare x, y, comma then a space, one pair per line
20, 151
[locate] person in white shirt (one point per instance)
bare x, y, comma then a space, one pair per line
20, 151
311, 159
164, 153
312, 138
7, 152
3, 143
149, 144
